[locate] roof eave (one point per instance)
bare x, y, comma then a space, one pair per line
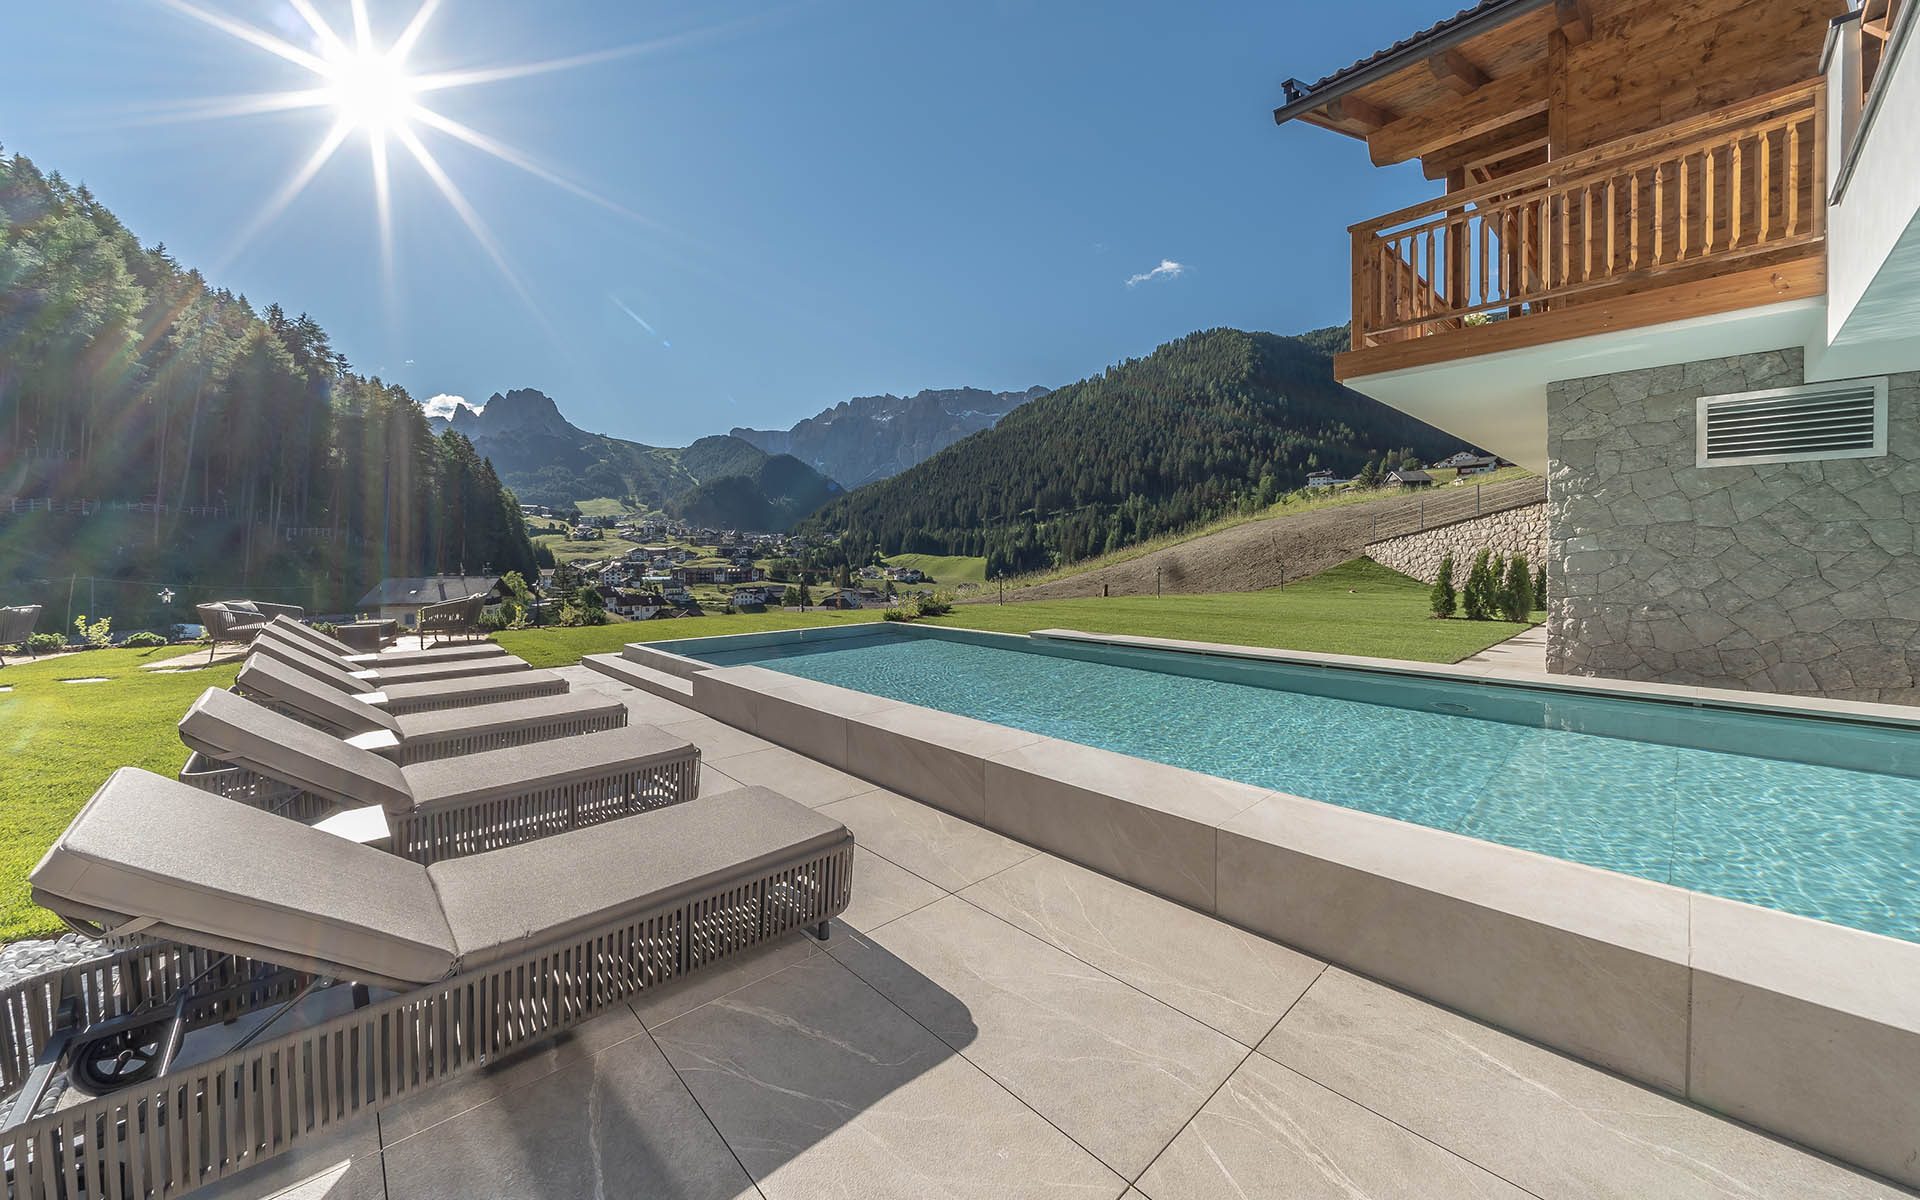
1417, 50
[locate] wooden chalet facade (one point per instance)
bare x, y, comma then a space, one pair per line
1605, 164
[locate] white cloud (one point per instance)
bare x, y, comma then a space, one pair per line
443, 405
1168, 269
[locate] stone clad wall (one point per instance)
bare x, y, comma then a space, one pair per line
1520, 530
1796, 577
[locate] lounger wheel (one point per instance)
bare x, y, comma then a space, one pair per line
123, 1059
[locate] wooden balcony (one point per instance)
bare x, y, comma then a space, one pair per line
1711, 214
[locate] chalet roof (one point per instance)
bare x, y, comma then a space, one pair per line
427, 589
1436, 37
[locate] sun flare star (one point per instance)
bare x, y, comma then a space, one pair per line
374, 94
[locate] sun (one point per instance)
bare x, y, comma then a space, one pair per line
370, 91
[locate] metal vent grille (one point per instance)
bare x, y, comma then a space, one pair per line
1797, 424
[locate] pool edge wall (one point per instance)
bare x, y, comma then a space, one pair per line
1805, 1029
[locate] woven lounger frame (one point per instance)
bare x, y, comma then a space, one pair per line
208, 1121
454, 745
448, 831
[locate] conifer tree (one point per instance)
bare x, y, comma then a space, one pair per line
1443, 599
1478, 597
1516, 593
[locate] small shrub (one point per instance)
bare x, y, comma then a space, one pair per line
326, 627
1443, 598
144, 640
1540, 587
42, 642
1478, 597
900, 612
937, 605
95, 636
1516, 593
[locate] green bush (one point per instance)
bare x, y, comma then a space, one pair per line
39, 642
1516, 593
144, 640
95, 636
1478, 597
326, 627
937, 605
1540, 587
900, 612
1443, 599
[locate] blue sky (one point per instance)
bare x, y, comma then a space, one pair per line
809, 201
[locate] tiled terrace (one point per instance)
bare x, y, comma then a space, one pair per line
990, 1021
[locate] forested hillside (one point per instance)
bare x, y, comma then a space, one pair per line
255, 456
1206, 424
773, 495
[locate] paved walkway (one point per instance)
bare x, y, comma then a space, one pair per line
988, 1021
1521, 654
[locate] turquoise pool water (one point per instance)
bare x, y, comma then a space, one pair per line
1812, 817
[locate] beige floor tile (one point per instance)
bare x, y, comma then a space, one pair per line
1118, 1071
939, 848
1235, 981
716, 739
825, 1089
883, 891
1271, 1134
617, 1126
793, 775
1554, 1126
713, 780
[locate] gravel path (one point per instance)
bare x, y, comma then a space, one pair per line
24, 960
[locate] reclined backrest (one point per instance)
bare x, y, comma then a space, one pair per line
235, 730
17, 623
276, 633
214, 873
306, 635
321, 668
274, 682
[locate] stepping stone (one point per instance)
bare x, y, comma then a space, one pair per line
88, 679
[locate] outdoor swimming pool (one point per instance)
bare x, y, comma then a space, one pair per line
1811, 816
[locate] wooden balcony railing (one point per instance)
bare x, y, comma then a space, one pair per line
1688, 201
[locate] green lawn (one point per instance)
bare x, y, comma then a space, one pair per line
1357, 608
565, 549
946, 569
559, 647
60, 741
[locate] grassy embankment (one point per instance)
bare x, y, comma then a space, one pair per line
946, 570
59, 741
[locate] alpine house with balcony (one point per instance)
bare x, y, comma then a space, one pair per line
1676, 267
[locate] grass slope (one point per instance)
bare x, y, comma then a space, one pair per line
1359, 607
946, 569
560, 647
60, 741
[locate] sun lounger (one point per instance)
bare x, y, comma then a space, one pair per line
424, 695
238, 622
16, 626
420, 737
445, 807
452, 618
238, 911
316, 642
272, 641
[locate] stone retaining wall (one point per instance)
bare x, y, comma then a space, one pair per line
1520, 530
1799, 577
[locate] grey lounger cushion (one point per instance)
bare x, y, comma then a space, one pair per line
223, 875
319, 643
274, 681
270, 639
509, 900
474, 689
235, 730
210, 873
